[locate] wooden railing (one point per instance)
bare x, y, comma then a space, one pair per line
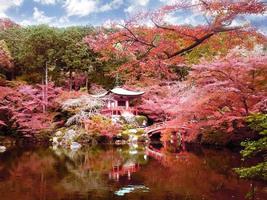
155, 127
118, 110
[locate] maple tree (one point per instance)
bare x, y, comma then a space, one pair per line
23, 108
218, 94
155, 49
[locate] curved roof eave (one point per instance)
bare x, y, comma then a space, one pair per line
121, 91
99, 95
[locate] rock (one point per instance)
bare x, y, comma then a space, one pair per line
2, 149
120, 142
128, 117
132, 131
58, 133
55, 140
141, 120
115, 119
75, 146
133, 139
69, 135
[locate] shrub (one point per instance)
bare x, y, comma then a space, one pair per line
100, 125
257, 122
140, 119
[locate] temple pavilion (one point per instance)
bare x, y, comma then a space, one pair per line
120, 100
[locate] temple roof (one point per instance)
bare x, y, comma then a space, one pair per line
121, 91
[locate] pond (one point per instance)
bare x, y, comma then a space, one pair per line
125, 172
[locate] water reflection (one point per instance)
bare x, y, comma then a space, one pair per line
130, 172
130, 188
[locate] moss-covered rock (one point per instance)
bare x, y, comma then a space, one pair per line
141, 120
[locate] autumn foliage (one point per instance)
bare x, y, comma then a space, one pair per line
6, 23
100, 125
24, 108
219, 94
159, 49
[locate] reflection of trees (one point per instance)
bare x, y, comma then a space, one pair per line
27, 176
60, 173
40, 174
194, 177
88, 170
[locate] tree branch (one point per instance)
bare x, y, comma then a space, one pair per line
200, 41
175, 30
190, 47
136, 39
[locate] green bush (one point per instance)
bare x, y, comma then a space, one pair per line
140, 119
257, 122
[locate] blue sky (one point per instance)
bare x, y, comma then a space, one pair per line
93, 12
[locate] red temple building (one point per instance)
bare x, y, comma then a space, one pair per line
121, 101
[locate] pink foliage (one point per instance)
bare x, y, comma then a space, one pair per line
24, 107
6, 23
2, 123
219, 94
150, 50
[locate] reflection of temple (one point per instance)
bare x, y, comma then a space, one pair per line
126, 169
121, 101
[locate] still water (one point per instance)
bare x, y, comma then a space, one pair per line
128, 172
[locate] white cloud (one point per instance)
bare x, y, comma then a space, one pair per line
181, 18
114, 4
46, 2
80, 7
85, 7
38, 17
171, 2
142, 2
6, 4
136, 6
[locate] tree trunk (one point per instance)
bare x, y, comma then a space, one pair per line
88, 83
70, 77
43, 94
46, 84
244, 100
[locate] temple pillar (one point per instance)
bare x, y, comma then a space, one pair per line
127, 104
116, 103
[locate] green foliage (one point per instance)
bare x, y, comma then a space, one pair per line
254, 147
61, 50
257, 122
257, 171
181, 72
100, 125
140, 119
4, 47
5, 57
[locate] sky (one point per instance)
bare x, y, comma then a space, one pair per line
63, 13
